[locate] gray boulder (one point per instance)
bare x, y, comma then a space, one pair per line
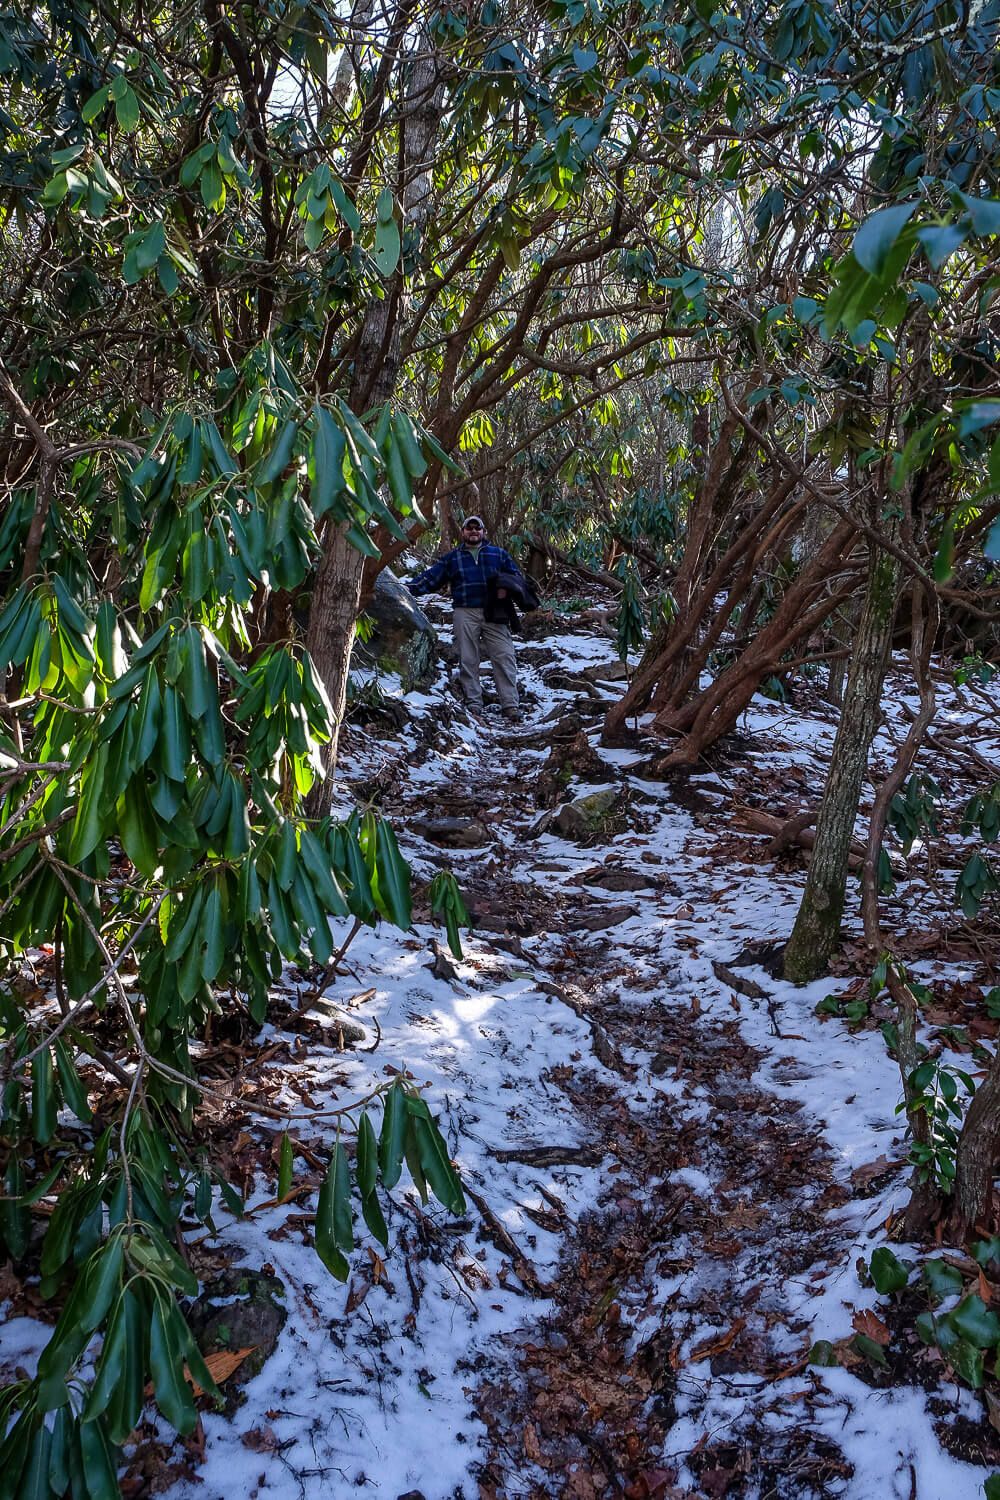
402, 638
584, 818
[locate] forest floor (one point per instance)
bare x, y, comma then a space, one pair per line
676, 1170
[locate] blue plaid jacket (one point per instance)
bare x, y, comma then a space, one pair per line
465, 575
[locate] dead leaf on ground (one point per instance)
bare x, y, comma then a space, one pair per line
531, 1446
871, 1325
261, 1440
993, 1409
862, 1175
221, 1364
716, 1344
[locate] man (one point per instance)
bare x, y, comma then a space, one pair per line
467, 571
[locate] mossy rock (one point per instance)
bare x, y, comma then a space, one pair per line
591, 816
240, 1309
402, 638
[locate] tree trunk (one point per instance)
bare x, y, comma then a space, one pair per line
337, 592
706, 718
817, 926
671, 647
926, 615
978, 1153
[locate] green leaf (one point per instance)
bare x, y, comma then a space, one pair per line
879, 233
127, 109
73, 1092
126, 1404
367, 1156
280, 455
967, 1362
286, 1166
870, 1350
822, 1353
942, 1279
320, 868
89, 824
104, 1272
387, 246
345, 207
43, 1097
212, 933
329, 448
343, 1229
62, 1454
35, 1483
888, 1274
327, 1247
433, 1155
98, 1463
175, 747
166, 1363
984, 214
110, 1366
393, 876
393, 1135
976, 1323
95, 104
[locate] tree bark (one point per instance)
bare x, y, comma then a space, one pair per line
817, 926
978, 1153
661, 669
337, 591
705, 719
926, 614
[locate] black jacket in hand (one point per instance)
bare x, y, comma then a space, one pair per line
518, 592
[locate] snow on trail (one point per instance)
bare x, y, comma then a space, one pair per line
378, 1395
394, 1385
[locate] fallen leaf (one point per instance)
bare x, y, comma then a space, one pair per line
993, 1409
356, 1295
861, 1176
378, 1268
221, 1365
260, 1439
871, 1325
530, 1441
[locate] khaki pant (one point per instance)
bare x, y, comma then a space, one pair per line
473, 634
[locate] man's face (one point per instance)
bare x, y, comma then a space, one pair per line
472, 532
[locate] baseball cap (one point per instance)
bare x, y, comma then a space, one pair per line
474, 520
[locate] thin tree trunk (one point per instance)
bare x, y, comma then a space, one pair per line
660, 667
714, 712
925, 1199
926, 613
817, 926
337, 591
978, 1154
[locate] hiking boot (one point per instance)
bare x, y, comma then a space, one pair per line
512, 715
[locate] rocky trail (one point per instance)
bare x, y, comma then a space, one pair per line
715, 1192
675, 1170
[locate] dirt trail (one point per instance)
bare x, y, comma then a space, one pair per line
717, 1192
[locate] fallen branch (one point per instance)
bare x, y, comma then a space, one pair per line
756, 821
552, 1156
552, 554
501, 1238
604, 1048
747, 987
